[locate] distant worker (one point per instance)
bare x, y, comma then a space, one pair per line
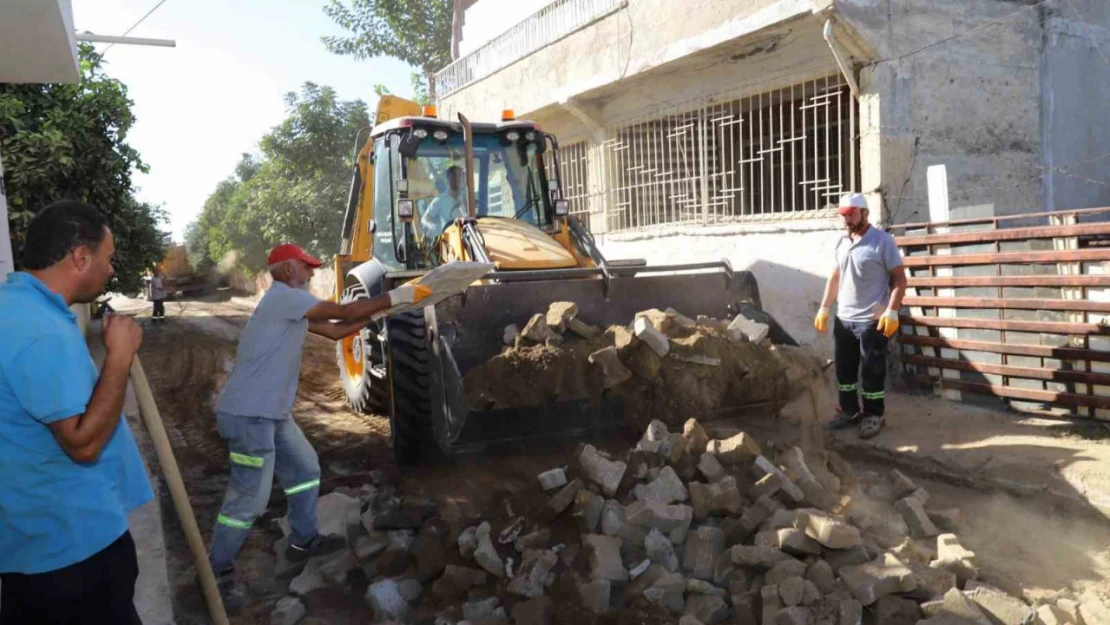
254, 411
157, 296
447, 206
867, 265
71, 469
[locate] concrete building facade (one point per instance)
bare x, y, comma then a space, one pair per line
728, 128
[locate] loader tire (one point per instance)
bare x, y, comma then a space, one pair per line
361, 359
410, 375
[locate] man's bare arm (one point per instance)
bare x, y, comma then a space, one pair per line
84, 436
354, 311
336, 331
898, 277
831, 288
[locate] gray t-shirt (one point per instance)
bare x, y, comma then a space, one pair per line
263, 382
865, 267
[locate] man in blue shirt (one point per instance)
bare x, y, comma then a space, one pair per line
70, 467
867, 285
254, 410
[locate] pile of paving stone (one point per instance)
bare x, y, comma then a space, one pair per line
683, 528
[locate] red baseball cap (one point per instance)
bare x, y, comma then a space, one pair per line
289, 251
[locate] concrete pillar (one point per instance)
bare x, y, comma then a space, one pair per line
597, 158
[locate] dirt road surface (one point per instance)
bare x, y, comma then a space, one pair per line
1030, 543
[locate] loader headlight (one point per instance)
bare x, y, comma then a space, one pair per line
530, 135
420, 133
562, 208
405, 209
512, 136
440, 135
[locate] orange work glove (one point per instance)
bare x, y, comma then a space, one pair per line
409, 294
821, 321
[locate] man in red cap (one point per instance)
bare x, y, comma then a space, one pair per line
868, 265
253, 412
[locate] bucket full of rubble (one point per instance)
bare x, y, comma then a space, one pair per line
662, 365
682, 528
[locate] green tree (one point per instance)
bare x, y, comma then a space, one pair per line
416, 32
294, 191
70, 142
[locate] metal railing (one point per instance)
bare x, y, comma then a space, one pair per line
778, 155
549, 24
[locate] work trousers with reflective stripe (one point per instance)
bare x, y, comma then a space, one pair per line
261, 448
860, 343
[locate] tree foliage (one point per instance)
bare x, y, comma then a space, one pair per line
70, 142
416, 32
295, 190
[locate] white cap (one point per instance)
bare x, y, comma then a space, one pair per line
848, 201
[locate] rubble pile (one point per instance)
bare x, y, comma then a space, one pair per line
664, 365
683, 528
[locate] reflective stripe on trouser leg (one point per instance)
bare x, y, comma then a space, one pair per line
873, 347
298, 471
251, 457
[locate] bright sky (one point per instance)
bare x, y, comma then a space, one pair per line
200, 105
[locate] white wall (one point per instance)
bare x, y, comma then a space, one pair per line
791, 262
6, 264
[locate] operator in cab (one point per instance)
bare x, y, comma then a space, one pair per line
448, 205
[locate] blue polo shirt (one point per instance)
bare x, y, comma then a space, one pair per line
54, 512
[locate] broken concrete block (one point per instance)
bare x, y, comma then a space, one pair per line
791, 590
605, 473
678, 535
1071, 608
913, 512
666, 489
738, 530
822, 576
830, 531
955, 609
743, 329
851, 613
946, 519
456, 581
767, 485
1001, 608
655, 516
703, 546
669, 591
763, 467
646, 333
368, 547
386, 601
595, 595
411, 589
1049, 614
717, 499
486, 555
468, 543
930, 583
903, 486
892, 610
1094, 612
952, 557
559, 313
811, 595
757, 557
795, 542
740, 449
841, 558
561, 501
660, 550
587, 511
711, 468
772, 603
794, 615
309, 579
699, 587
539, 539
695, 436
583, 330
883, 576
537, 330
783, 570
613, 371
529, 580
743, 607
481, 609
604, 556
508, 337
334, 570
612, 517
555, 478
289, 610
708, 609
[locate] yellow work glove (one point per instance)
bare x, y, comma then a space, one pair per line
821, 321
888, 323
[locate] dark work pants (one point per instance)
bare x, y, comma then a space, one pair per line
159, 308
856, 342
99, 589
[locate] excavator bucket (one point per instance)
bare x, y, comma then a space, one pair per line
466, 331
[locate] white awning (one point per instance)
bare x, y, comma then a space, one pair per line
39, 44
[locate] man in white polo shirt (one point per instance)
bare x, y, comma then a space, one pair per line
867, 285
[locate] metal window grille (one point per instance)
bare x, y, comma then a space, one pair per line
549, 24
781, 154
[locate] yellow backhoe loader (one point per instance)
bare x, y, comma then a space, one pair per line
428, 191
